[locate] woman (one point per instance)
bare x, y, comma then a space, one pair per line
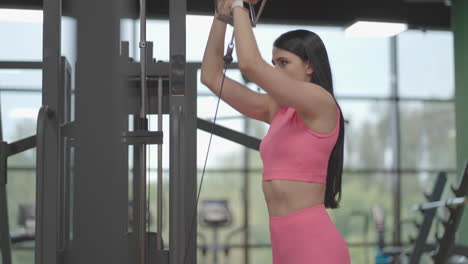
302, 152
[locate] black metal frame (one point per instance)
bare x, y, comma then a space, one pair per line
8, 150
447, 241
229, 134
428, 219
5, 240
182, 153
100, 183
47, 134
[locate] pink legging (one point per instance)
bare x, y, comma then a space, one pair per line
307, 236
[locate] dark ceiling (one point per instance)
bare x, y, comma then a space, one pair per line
423, 14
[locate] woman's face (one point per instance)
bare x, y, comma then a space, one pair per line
292, 65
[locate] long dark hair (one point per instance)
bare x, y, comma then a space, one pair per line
309, 47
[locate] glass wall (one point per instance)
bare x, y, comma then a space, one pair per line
362, 81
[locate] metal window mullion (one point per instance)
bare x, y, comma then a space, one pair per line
396, 142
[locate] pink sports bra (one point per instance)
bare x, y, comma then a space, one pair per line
292, 151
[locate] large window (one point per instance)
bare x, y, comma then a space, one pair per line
362, 81
426, 64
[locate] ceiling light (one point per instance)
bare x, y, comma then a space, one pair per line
20, 15
371, 29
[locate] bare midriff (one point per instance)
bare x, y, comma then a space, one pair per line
284, 197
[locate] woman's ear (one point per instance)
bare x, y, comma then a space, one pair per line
309, 68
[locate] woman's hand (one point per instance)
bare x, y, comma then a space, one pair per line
224, 6
228, 3
224, 12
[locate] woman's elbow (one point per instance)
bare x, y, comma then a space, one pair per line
205, 78
245, 67
248, 68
